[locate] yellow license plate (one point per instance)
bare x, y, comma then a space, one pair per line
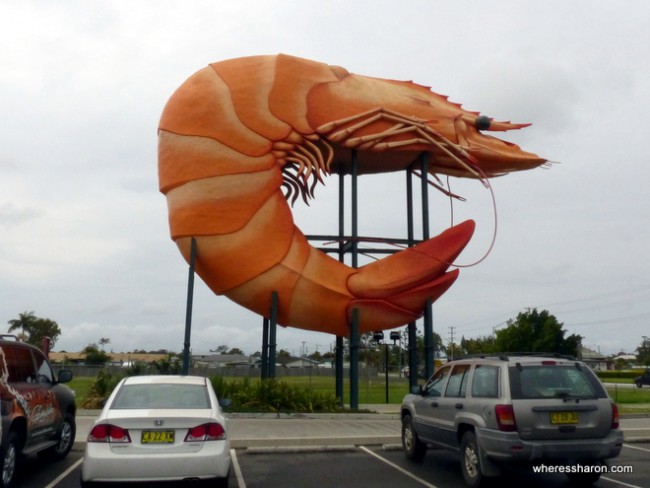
564, 418
157, 436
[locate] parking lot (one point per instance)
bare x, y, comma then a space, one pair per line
352, 466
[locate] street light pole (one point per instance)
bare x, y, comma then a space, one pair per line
386, 367
379, 337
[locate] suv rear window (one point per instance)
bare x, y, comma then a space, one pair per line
20, 366
553, 381
486, 381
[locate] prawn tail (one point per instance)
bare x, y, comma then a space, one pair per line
394, 290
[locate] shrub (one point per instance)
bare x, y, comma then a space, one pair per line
99, 391
273, 396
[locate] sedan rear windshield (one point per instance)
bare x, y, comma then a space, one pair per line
161, 396
571, 380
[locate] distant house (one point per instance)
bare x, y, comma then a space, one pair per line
302, 363
630, 358
224, 361
117, 358
596, 360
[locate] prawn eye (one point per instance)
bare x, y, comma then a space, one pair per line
482, 122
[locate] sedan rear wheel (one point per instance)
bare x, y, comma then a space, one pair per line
222, 482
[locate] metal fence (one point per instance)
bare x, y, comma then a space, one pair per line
79, 370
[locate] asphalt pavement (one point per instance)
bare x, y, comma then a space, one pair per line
331, 431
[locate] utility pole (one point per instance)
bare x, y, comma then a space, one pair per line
451, 332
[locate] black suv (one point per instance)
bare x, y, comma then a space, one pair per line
644, 379
38, 412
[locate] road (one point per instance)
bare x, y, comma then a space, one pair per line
354, 466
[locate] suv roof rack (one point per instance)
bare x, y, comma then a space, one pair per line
505, 356
9, 336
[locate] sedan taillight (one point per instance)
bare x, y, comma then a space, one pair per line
615, 417
505, 418
110, 434
212, 431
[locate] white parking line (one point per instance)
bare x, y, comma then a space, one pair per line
64, 474
398, 468
637, 448
620, 482
235, 464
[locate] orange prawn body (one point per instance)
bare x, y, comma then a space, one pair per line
241, 137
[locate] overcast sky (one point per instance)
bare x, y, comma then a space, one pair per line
84, 238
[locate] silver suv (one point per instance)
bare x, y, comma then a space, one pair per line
496, 410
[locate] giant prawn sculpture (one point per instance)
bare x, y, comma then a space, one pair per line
241, 137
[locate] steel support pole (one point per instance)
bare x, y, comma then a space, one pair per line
265, 348
386, 368
188, 309
354, 360
355, 208
273, 327
428, 313
338, 365
412, 330
354, 329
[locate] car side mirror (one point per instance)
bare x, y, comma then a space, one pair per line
417, 390
65, 376
224, 402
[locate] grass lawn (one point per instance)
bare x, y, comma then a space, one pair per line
631, 400
81, 387
371, 390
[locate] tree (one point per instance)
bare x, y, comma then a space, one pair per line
534, 331
94, 356
479, 345
35, 328
643, 351
103, 341
171, 364
282, 356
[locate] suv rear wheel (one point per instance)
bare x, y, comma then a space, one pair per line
414, 448
469, 460
9, 459
583, 479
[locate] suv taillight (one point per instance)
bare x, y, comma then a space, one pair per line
505, 416
206, 432
615, 417
109, 433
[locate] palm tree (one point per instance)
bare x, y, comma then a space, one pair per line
34, 329
103, 341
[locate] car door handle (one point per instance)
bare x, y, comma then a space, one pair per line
459, 406
434, 404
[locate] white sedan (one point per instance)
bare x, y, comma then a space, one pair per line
159, 428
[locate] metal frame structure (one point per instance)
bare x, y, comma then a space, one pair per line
348, 244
